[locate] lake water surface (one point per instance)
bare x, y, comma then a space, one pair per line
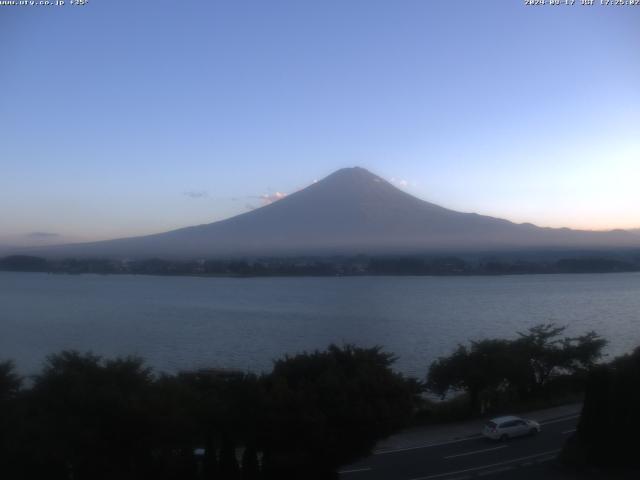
188, 322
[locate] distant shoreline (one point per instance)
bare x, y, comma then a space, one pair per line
356, 266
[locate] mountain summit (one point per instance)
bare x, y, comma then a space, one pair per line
350, 211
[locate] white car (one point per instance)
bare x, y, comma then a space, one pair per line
503, 428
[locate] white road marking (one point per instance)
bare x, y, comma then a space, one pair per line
446, 474
545, 459
561, 419
427, 445
566, 432
355, 470
495, 470
476, 451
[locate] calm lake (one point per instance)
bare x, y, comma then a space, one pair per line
186, 322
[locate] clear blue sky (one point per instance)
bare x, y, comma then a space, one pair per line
130, 117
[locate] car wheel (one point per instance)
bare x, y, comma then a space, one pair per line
504, 437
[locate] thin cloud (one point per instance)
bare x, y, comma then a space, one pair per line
265, 199
196, 194
272, 197
400, 182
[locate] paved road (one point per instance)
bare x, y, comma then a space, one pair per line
465, 458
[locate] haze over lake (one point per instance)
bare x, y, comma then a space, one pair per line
188, 322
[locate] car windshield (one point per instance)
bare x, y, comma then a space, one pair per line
491, 425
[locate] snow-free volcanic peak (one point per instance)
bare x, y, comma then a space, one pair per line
348, 212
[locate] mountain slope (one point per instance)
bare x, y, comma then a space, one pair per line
350, 211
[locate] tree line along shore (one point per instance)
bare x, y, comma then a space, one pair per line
86, 417
339, 265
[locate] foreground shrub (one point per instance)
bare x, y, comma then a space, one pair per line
610, 420
496, 371
327, 408
89, 418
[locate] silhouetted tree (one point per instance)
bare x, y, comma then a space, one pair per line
10, 383
481, 367
522, 367
172, 407
250, 466
229, 468
229, 410
544, 354
610, 419
90, 415
326, 408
